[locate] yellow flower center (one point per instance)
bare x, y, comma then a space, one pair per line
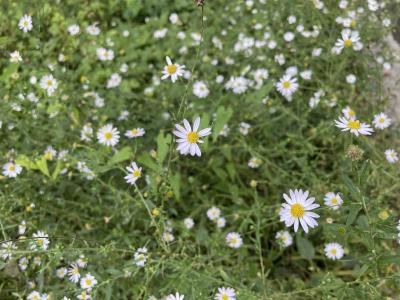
353, 23
11, 168
233, 241
224, 297
171, 69
49, 83
286, 84
352, 113
382, 120
40, 243
136, 173
108, 135
348, 43
48, 156
334, 251
88, 282
283, 238
392, 155
26, 23
192, 137
334, 201
297, 210
134, 131
354, 124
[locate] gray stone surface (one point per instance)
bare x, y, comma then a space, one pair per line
391, 80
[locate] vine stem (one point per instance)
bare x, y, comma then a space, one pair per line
185, 94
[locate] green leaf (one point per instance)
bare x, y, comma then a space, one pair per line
134, 7
389, 259
362, 271
149, 162
54, 108
11, 69
223, 116
163, 143
25, 162
57, 170
74, 115
175, 184
122, 155
42, 166
305, 247
351, 187
353, 212
362, 222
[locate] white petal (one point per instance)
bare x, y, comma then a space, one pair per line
196, 124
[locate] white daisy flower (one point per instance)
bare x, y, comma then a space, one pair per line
234, 240
398, 228
73, 273
25, 23
22, 228
23, 263
244, 128
333, 200
254, 162
108, 135
349, 39
49, 153
391, 156
351, 79
168, 237
49, 83
114, 81
213, 213
93, 29
61, 272
200, 89
73, 29
11, 170
188, 137
297, 210
84, 296
238, 85
177, 296
189, 223
6, 250
15, 57
140, 257
40, 241
88, 282
105, 54
135, 132
287, 85
349, 113
134, 173
381, 121
87, 132
225, 294
354, 126
284, 238
82, 261
172, 70
34, 295
334, 251
221, 222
